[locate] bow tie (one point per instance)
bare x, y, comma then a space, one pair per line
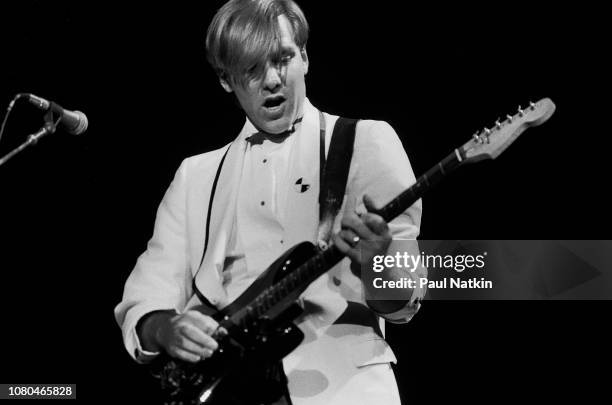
260, 136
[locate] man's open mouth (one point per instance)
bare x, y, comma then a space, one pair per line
273, 102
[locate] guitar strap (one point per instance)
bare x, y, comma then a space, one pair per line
334, 174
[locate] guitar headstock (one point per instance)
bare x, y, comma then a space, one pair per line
491, 142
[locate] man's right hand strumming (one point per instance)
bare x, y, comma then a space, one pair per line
185, 336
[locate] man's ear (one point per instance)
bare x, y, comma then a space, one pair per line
305, 59
226, 86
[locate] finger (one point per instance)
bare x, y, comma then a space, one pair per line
206, 353
350, 237
349, 219
345, 248
189, 346
185, 355
376, 224
200, 338
369, 203
358, 226
204, 322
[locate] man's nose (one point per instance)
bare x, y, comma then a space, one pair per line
274, 77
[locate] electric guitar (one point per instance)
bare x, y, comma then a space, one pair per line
256, 330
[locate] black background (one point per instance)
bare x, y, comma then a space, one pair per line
75, 212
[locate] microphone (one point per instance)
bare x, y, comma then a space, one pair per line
75, 122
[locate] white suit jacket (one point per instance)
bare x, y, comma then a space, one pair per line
344, 357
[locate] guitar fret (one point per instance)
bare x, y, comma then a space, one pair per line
283, 286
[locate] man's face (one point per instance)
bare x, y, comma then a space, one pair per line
274, 101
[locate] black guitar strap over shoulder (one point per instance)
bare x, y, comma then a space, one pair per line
334, 174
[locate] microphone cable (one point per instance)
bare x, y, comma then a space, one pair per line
8, 112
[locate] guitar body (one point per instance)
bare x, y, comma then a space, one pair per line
246, 369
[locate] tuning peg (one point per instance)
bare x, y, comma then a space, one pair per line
520, 111
532, 105
487, 135
497, 124
478, 138
509, 117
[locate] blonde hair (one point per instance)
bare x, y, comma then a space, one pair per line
245, 34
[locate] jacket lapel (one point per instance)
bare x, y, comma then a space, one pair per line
209, 277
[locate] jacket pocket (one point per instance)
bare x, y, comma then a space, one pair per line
372, 350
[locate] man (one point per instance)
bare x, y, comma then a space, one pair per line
241, 207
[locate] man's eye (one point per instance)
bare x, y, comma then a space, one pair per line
286, 59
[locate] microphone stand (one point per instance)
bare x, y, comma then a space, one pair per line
49, 128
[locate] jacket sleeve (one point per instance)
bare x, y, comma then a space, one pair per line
382, 170
161, 278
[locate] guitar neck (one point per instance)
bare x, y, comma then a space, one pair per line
423, 184
290, 287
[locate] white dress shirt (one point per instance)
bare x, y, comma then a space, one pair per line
257, 233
